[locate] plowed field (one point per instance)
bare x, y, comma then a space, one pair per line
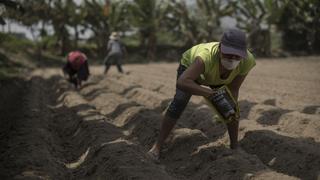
49, 130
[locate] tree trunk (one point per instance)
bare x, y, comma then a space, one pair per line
152, 42
38, 52
64, 40
76, 36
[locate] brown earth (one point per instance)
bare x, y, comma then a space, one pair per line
103, 131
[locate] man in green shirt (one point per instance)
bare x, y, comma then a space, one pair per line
208, 65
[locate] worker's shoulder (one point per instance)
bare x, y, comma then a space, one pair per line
208, 45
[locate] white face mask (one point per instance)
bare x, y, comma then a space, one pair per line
229, 63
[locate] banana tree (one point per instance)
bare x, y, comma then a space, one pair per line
117, 17
300, 24
146, 17
256, 17
11, 5
199, 22
210, 13
60, 17
35, 17
76, 21
183, 23
102, 18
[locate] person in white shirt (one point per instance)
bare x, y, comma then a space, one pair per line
115, 53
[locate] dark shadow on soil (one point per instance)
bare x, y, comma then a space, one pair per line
311, 109
245, 108
121, 108
271, 102
69, 135
142, 128
35, 143
109, 154
271, 117
87, 84
12, 91
129, 89
298, 157
30, 147
95, 93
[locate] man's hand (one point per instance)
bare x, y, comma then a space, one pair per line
224, 104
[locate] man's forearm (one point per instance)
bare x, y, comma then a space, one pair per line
193, 88
234, 91
235, 95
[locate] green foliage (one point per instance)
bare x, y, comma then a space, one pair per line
199, 24
118, 19
132, 40
4, 37
11, 43
300, 24
8, 4
48, 42
253, 14
168, 38
8, 68
35, 11
6, 73
209, 14
256, 17
102, 24
152, 24
146, 16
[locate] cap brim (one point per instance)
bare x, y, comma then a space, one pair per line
231, 50
113, 38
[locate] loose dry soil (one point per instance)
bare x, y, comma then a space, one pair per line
48, 130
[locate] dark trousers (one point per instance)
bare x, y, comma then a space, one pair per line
113, 59
180, 100
76, 76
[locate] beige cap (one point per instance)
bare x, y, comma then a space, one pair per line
114, 36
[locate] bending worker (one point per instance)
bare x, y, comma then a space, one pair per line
203, 69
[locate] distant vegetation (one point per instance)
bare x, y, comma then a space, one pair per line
155, 30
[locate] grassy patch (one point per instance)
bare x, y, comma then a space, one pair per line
10, 72
14, 44
8, 68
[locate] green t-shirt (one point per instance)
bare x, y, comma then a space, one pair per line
209, 53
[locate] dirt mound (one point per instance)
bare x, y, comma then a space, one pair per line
296, 156
29, 144
103, 131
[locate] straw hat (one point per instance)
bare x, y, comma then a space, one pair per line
114, 36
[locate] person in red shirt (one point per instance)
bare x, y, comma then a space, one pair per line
76, 68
